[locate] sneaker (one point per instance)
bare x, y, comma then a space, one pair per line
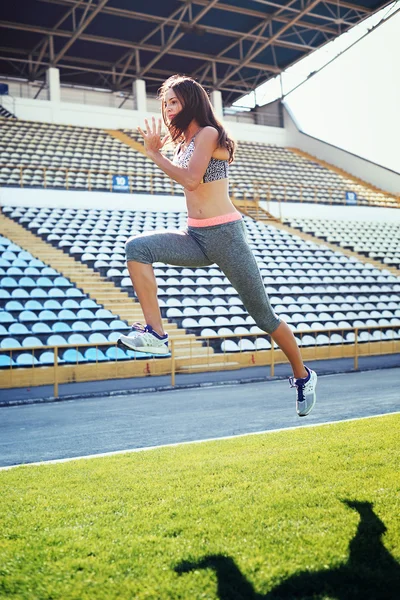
306, 396
145, 339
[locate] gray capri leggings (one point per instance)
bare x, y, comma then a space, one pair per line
224, 245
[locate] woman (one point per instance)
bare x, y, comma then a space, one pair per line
215, 234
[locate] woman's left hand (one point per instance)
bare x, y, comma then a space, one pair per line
152, 137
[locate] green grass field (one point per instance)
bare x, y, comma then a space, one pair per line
306, 513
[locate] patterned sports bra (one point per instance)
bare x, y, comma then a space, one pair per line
217, 169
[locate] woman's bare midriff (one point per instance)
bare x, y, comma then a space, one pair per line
209, 200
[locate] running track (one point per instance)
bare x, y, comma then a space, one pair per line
62, 430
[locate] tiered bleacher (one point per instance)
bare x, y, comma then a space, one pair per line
83, 158
39, 307
287, 176
376, 240
76, 158
310, 286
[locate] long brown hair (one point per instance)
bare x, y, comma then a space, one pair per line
195, 105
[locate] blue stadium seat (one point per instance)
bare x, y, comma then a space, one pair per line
70, 304
99, 326
56, 292
74, 292
103, 313
6, 361
31, 270
60, 327
47, 358
47, 315
14, 270
56, 340
8, 282
88, 303
113, 336
26, 360
115, 353
80, 326
95, 355
52, 305
73, 356
27, 315
9, 342
17, 329
35, 262
33, 305
49, 271
66, 315
13, 305
27, 282
118, 324
31, 341
62, 282
44, 282
97, 338
76, 338
84, 313
39, 293
40, 328
24, 255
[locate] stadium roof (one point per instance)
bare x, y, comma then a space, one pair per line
230, 45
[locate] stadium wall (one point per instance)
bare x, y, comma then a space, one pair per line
382, 178
155, 203
84, 115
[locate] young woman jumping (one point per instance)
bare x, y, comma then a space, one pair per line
216, 233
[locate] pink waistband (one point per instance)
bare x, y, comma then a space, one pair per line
220, 220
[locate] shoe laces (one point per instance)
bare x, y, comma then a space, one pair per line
138, 327
300, 387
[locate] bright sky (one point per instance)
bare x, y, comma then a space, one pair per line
353, 102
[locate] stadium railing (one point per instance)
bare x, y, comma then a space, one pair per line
262, 190
20, 376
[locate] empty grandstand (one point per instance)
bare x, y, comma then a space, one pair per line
70, 148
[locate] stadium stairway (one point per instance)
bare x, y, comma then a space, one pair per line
253, 210
125, 139
189, 352
343, 173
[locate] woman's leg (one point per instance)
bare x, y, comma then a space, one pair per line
171, 247
227, 246
286, 341
145, 285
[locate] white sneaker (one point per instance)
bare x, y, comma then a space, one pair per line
145, 339
306, 396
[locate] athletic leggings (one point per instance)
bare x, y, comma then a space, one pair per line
224, 245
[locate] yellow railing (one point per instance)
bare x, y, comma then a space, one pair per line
172, 364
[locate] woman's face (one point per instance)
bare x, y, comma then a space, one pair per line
172, 104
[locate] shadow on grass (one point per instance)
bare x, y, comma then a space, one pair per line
371, 572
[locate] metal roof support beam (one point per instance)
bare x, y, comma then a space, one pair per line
161, 28
271, 40
81, 28
175, 39
115, 42
45, 42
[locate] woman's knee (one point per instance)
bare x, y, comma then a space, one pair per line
136, 248
268, 322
